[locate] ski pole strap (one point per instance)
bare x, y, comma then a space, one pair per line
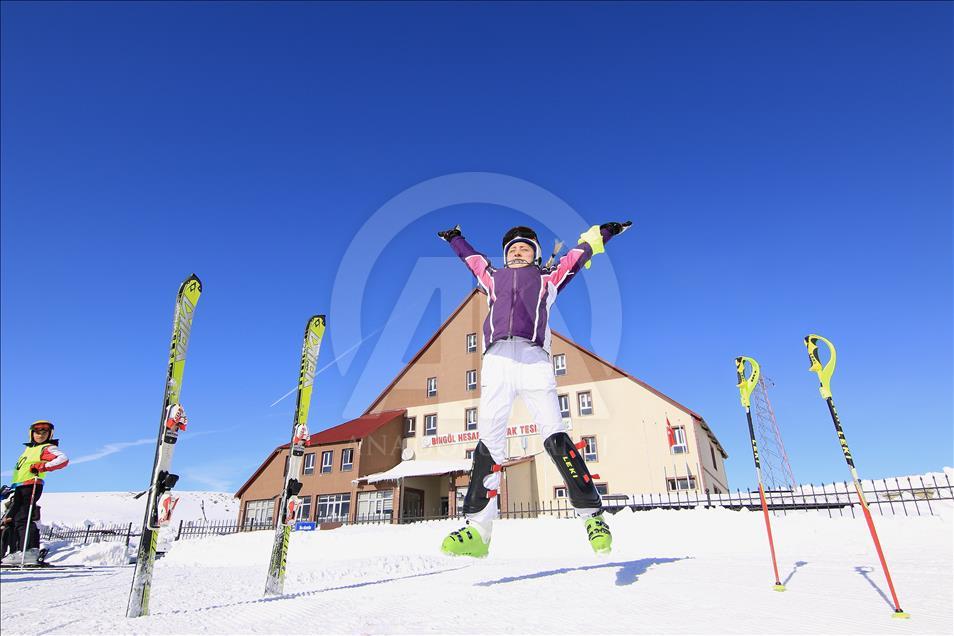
824, 371
746, 384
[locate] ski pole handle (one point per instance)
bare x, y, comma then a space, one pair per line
746, 384
824, 372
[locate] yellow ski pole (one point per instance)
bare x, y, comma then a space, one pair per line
824, 373
746, 386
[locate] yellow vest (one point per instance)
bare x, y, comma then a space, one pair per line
29, 457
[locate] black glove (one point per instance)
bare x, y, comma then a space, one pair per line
447, 235
616, 228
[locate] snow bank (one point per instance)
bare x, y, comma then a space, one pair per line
99, 508
94, 554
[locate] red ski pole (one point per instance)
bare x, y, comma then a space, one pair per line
824, 379
746, 386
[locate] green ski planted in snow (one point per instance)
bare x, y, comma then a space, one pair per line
288, 504
159, 501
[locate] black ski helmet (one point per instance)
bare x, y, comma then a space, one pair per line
522, 234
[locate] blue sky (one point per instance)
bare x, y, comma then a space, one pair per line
787, 166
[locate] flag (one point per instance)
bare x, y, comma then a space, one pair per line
670, 433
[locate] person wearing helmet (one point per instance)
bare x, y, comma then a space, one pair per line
516, 361
41, 456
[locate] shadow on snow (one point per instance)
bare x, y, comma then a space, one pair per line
864, 570
628, 572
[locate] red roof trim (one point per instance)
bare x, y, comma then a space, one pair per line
350, 431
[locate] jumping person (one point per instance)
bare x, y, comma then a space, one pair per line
516, 361
42, 455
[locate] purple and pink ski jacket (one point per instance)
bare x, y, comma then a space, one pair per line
520, 298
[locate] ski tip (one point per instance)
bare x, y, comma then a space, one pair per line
778, 587
900, 614
318, 320
192, 280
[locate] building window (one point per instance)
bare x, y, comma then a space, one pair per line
559, 492
589, 451
431, 387
680, 447
681, 483
304, 509
585, 401
347, 458
564, 405
309, 463
259, 511
603, 489
430, 424
326, 461
712, 451
410, 426
471, 342
472, 380
375, 506
469, 454
470, 419
559, 364
333, 507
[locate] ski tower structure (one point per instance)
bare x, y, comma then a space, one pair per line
776, 469
746, 384
159, 501
288, 500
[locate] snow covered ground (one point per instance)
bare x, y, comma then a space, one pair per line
700, 571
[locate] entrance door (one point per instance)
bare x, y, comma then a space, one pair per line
412, 508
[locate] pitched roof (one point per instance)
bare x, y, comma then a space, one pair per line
583, 349
354, 430
350, 431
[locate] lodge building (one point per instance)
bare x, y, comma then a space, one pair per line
409, 454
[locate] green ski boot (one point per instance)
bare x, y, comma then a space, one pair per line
465, 542
599, 535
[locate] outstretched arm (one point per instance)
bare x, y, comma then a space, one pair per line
591, 242
52, 458
477, 263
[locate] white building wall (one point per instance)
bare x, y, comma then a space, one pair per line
629, 423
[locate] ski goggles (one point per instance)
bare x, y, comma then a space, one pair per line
43, 427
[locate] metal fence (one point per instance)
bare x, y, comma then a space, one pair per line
907, 496
193, 530
90, 533
897, 496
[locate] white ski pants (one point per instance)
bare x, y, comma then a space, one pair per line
511, 368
